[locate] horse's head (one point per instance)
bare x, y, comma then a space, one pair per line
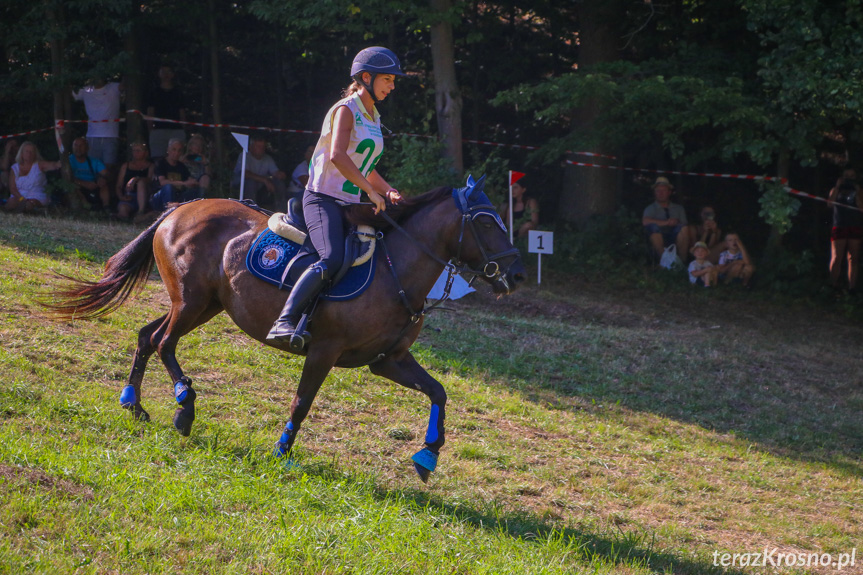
484, 247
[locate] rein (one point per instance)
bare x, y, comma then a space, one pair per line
457, 267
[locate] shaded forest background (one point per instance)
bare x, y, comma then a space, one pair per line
767, 87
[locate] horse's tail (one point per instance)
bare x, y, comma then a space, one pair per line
125, 274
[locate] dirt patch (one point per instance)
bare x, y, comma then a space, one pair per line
38, 478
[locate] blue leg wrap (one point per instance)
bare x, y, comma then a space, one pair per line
127, 396
432, 432
182, 389
425, 458
286, 441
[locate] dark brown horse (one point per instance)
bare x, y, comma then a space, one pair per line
200, 250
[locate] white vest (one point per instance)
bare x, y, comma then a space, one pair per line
364, 150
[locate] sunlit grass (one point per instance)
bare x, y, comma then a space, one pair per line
587, 432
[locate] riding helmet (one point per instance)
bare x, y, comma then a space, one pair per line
376, 60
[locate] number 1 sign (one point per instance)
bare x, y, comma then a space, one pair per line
540, 243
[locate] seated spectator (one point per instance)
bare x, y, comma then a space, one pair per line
709, 232
27, 181
134, 183
90, 177
665, 222
300, 175
734, 262
10, 150
197, 161
176, 183
265, 182
701, 271
525, 211
847, 231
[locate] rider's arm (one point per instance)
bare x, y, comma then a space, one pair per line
344, 123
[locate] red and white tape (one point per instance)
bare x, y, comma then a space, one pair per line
704, 174
19, 134
715, 175
232, 126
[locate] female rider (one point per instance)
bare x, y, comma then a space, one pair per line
342, 167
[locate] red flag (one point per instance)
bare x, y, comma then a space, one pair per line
515, 176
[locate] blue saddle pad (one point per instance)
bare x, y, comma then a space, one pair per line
270, 254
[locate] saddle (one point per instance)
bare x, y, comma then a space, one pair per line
281, 253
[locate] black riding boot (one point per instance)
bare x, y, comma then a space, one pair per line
303, 292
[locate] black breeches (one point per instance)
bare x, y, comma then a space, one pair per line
325, 223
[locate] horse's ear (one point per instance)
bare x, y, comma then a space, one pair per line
477, 188
470, 182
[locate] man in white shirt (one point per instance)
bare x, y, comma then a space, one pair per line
102, 102
265, 182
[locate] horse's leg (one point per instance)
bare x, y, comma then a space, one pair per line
130, 397
319, 361
406, 371
182, 319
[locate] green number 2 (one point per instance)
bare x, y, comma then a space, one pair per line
367, 145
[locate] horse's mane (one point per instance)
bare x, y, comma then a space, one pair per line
363, 214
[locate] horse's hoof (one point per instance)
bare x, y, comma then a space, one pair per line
422, 472
183, 419
128, 399
425, 461
140, 414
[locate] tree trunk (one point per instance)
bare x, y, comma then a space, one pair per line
774, 240
133, 85
217, 86
55, 17
448, 103
591, 191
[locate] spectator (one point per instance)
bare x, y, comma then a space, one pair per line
847, 229
664, 221
734, 262
27, 181
525, 210
701, 271
102, 102
264, 180
196, 159
176, 184
89, 176
134, 183
10, 150
300, 175
165, 101
709, 232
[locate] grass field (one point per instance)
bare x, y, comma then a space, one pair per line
589, 431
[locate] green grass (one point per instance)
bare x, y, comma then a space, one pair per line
588, 432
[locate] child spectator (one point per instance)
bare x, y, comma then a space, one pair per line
134, 183
734, 262
701, 271
197, 161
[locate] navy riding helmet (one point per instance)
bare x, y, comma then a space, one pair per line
375, 60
